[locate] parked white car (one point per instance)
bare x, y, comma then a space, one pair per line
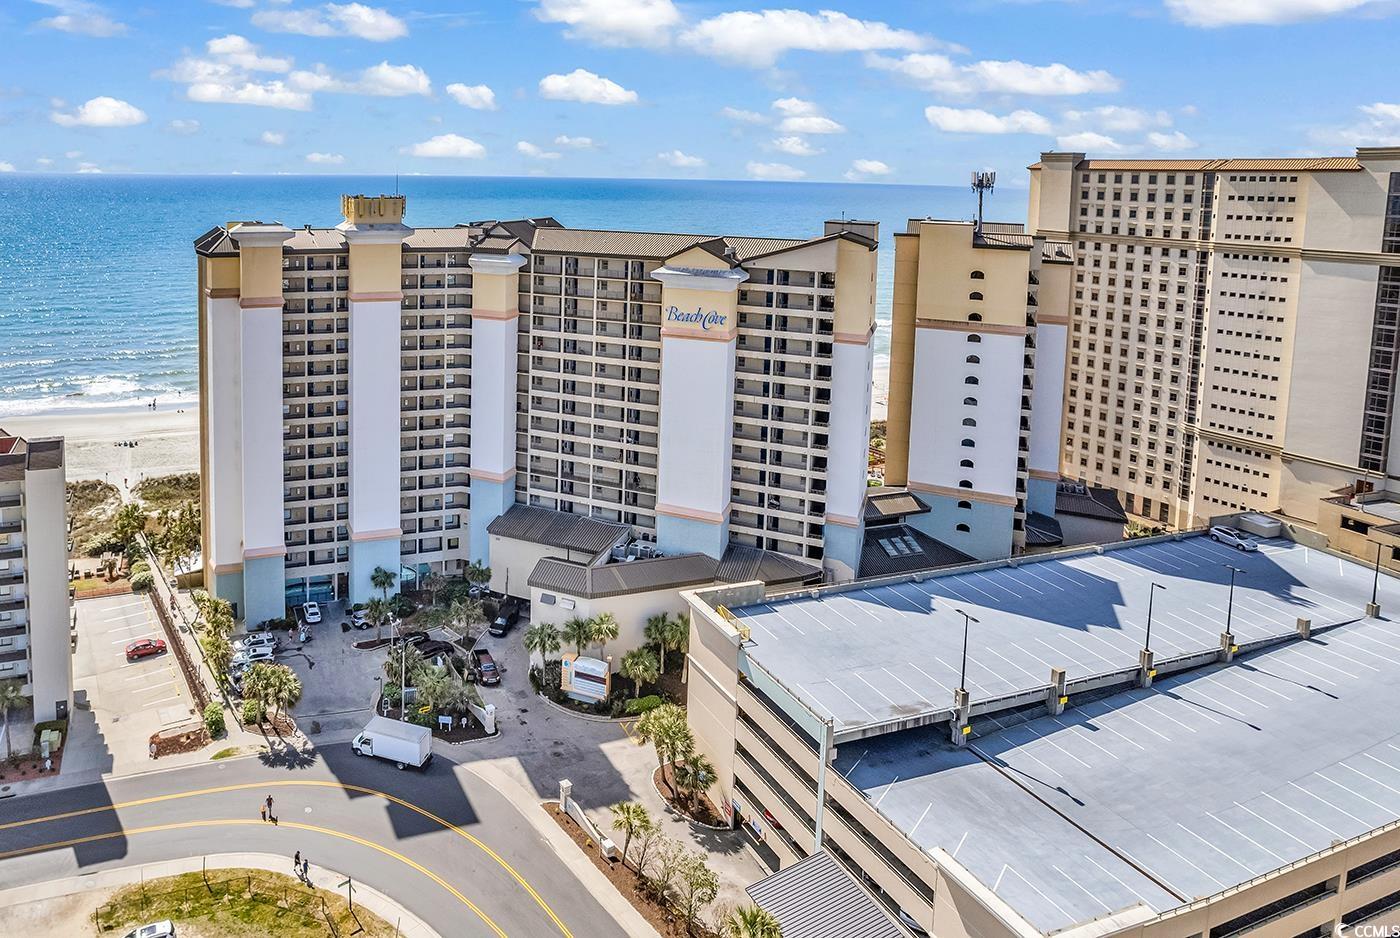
165, 929
311, 612
1233, 537
251, 656
258, 640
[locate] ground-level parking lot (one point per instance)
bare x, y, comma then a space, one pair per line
127, 701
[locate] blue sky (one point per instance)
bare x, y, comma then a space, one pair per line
910, 91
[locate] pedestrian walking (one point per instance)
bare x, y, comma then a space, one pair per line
296, 861
269, 804
306, 869
263, 811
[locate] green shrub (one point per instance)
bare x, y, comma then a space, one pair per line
643, 704
142, 580
106, 542
214, 720
391, 694
140, 566
134, 553
401, 606
252, 713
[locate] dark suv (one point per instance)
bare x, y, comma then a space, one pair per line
506, 616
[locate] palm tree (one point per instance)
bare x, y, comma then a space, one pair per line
377, 611
477, 574
258, 682
381, 580
463, 614
283, 690
667, 730
578, 632
433, 584
749, 921
695, 774
640, 665
542, 639
605, 629
631, 818
11, 698
404, 662
668, 633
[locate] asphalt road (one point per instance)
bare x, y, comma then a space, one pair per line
444, 844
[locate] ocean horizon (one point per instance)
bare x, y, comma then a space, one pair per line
97, 272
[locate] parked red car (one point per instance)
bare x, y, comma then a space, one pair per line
144, 648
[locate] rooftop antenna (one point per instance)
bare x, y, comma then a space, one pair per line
983, 183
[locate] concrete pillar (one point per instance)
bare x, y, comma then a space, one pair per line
1373, 610
962, 717
1228, 648
566, 791
1304, 627
1147, 667
1055, 698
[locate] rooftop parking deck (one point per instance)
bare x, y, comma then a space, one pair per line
869, 657
1156, 797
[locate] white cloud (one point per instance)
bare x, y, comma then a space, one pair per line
759, 39
101, 111
940, 73
1119, 119
575, 143
1172, 142
235, 4
225, 75
975, 121
382, 81
864, 169
81, 18
740, 116
476, 97
794, 146
6, 167
1211, 13
325, 159
236, 51
183, 127
1089, 140
448, 146
535, 153
272, 138
680, 160
333, 19
44, 161
775, 171
72, 154
89, 169
613, 22
1380, 128
804, 117
582, 85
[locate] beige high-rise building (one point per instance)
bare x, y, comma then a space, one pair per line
1232, 340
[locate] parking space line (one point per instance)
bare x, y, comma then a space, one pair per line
152, 703
927, 808
1395, 791
886, 791
1029, 674
1058, 651
817, 700
784, 619
1335, 835
858, 704
1188, 862
1083, 734
1119, 881
1310, 847
1256, 843
1030, 573
875, 689
1390, 812
1081, 888
1365, 825
918, 694
1184, 686
1125, 715
1215, 848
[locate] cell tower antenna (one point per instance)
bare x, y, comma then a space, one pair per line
983, 183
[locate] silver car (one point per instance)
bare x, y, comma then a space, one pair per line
257, 640
165, 929
1233, 537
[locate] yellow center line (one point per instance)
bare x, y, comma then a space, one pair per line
184, 825
156, 799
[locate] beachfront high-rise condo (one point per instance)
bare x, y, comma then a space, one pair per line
35, 615
976, 382
375, 395
1232, 338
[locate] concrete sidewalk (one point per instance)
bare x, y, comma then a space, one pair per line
92, 889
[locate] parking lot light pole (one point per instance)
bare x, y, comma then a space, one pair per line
1151, 592
1230, 607
962, 675
1374, 609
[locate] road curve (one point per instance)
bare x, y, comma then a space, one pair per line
442, 843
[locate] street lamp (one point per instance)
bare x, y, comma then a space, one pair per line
962, 676
1230, 607
1151, 592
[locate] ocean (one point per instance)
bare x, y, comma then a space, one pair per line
97, 275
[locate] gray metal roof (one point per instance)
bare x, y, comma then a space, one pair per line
739, 564
890, 549
817, 898
557, 529
890, 502
1092, 502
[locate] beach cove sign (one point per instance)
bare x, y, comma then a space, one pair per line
705, 320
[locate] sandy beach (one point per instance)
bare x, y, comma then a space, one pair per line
167, 441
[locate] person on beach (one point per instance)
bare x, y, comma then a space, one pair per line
263, 811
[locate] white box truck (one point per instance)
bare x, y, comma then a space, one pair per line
404, 744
